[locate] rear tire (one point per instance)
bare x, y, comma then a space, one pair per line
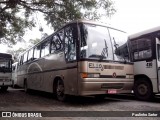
143, 89
4, 88
25, 86
60, 91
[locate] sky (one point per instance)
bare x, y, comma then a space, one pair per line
132, 16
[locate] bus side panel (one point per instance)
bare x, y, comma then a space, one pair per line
54, 67
21, 75
149, 69
35, 74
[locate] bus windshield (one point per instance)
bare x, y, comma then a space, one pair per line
119, 41
5, 65
100, 42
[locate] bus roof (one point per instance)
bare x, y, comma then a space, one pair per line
5, 55
149, 31
92, 22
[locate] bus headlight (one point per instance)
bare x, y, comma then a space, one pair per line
90, 75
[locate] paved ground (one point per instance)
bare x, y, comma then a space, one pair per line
18, 100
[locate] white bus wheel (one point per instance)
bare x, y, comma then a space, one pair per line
143, 89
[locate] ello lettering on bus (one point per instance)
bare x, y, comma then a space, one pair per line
96, 65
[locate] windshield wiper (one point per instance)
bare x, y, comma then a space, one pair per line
115, 44
104, 51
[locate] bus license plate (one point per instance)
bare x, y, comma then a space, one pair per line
112, 91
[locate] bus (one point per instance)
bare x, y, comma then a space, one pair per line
144, 50
14, 74
5, 71
79, 59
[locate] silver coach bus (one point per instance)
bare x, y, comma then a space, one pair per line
79, 59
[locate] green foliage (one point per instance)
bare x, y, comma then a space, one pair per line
33, 42
17, 15
16, 53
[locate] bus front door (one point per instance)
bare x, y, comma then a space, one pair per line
158, 61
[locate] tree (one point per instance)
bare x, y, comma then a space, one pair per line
16, 52
17, 15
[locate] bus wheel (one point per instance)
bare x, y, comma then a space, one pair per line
4, 88
143, 89
100, 97
60, 91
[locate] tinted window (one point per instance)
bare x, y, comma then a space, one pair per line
141, 49
57, 42
70, 42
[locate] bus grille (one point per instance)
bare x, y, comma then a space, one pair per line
112, 86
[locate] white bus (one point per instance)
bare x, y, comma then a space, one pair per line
14, 74
145, 53
5, 71
79, 59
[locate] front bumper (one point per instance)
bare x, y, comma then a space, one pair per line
95, 86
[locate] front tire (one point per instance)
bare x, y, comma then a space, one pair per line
100, 97
60, 91
143, 89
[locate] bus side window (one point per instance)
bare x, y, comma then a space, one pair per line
45, 48
70, 43
20, 62
37, 52
158, 49
30, 55
57, 42
141, 49
25, 57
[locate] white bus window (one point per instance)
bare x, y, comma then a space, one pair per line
25, 58
30, 55
37, 52
70, 43
45, 48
